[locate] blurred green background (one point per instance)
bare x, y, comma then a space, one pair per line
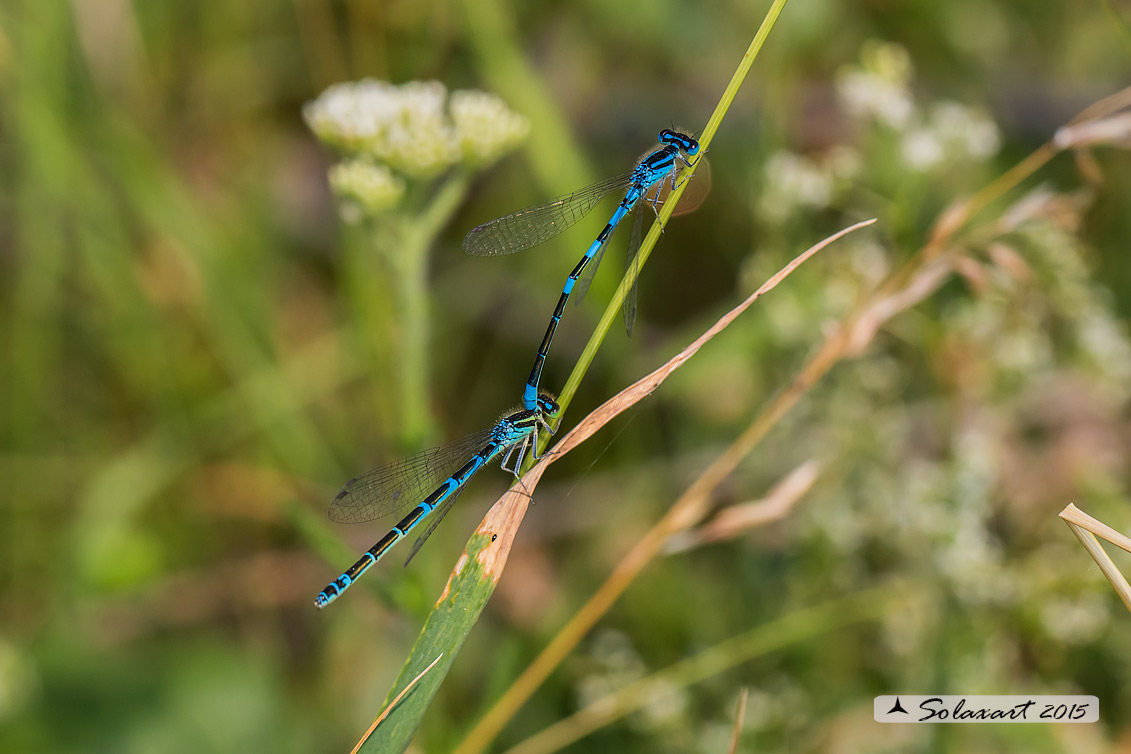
197, 350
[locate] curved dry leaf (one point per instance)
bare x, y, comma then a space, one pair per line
1114, 130
925, 281
735, 520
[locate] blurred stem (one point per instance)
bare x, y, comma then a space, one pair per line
405, 243
321, 46
409, 262
551, 150
368, 40
1119, 22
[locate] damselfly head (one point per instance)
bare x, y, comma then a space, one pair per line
548, 406
686, 143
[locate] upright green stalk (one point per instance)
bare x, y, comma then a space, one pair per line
408, 260
409, 264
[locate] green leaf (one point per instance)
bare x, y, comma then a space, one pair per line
469, 587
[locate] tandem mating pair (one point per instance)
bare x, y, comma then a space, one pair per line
399, 486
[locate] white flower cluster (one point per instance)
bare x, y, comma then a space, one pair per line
364, 188
1075, 621
1101, 335
877, 91
951, 131
487, 128
402, 126
615, 663
878, 88
794, 180
408, 128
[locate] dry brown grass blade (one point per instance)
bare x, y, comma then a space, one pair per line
1114, 130
1086, 529
862, 328
1074, 515
739, 718
735, 520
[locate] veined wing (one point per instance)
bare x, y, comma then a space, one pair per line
653, 199
437, 516
402, 484
586, 279
534, 225
632, 268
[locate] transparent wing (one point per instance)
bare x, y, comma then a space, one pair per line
534, 225
697, 191
586, 279
632, 268
582, 286
436, 517
654, 198
402, 484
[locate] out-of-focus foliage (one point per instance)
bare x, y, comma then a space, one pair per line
210, 320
